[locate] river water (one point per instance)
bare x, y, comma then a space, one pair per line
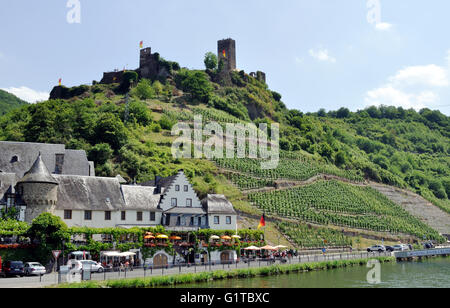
431, 273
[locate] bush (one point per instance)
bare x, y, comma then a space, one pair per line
211, 61
144, 90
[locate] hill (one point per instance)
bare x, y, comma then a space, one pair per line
9, 102
388, 145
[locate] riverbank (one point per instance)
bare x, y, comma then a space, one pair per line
186, 279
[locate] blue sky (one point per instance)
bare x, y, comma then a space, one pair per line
317, 54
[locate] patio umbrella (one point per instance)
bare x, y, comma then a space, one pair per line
175, 238
226, 237
162, 236
252, 248
280, 247
149, 237
214, 237
268, 247
236, 237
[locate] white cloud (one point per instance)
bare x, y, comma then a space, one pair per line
429, 75
27, 94
322, 55
391, 96
383, 26
413, 87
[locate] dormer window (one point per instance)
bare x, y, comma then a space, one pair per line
14, 159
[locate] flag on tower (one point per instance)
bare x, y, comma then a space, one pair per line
141, 44
262, 223
224, 53
60, 81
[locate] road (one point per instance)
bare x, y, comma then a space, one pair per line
52, 279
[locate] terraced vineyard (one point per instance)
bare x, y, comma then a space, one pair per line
342, 204
292, 169
305, 236
247, 182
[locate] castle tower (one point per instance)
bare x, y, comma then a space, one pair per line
39, 190
227, 53
148, 63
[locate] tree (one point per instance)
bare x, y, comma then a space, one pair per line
100, 153
211, 61
51, 232
144, 89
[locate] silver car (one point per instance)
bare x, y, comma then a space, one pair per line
34, 268
93, 266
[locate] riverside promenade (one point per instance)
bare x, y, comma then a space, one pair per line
56, 278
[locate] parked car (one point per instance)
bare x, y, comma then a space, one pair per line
75, 266
428, 245
13, 268
390, 248
376, 248
34, 268
92, 265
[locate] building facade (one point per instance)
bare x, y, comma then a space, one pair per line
82, 199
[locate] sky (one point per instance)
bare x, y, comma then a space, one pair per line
316, 53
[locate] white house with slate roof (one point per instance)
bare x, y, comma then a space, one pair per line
62, 182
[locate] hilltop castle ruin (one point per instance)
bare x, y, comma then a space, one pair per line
151, 66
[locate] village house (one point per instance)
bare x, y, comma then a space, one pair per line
37, 178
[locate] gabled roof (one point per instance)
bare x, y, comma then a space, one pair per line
18, 157
140, 198
89, 193
218, 204
38, 173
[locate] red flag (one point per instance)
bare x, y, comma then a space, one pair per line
141, 44
59, 81
262, 223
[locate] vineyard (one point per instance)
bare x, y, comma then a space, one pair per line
299, 169
247, 182
341, 204
306, 236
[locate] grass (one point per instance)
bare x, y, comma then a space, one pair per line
184, 279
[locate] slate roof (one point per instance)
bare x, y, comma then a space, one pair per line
218, 204
75, 162
186, 210
38, 173
89, 193
140, 198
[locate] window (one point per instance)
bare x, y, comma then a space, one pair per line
177, 187
216, 220
108, 215
87, 215
189, 202
123, 215
152, 216
67, 214
228, 220
174, 202
178, 221
139, 216
192, 221
199, 221
186, 188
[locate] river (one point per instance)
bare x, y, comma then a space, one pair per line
431, 273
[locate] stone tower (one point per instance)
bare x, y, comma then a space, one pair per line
148, 63
227, 53
39, 190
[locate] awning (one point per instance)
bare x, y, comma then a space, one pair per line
268, 247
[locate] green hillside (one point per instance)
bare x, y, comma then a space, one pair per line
389, 145
9, 102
